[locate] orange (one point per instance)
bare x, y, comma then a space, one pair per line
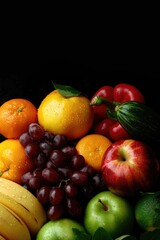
13, 160
15, 117
92, 147
71, 116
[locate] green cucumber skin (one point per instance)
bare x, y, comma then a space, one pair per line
140, 121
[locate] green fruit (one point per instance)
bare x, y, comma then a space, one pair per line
60, 229
147, 211
110, 211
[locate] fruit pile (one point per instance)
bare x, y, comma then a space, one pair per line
80, 168
61, 180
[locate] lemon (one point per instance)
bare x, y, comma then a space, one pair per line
72, 117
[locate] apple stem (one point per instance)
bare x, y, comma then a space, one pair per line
104, 206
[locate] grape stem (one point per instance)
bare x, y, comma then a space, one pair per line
64, 181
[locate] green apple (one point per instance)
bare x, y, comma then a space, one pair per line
60, 229
110, 211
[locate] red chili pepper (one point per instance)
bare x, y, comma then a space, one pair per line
120, 93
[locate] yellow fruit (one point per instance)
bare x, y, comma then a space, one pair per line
12, 226
23, 203
2, 238
147, 211
71, 116
92, 147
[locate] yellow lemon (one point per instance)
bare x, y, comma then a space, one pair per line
71, 116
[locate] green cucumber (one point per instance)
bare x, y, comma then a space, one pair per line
139, 120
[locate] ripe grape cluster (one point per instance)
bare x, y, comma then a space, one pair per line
61, 180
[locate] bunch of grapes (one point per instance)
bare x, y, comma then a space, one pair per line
61, 180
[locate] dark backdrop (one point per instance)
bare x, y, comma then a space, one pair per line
33, 79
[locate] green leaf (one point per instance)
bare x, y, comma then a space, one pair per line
66, 91
102, 234
79, 235
155, 235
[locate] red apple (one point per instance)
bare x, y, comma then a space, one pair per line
130, 166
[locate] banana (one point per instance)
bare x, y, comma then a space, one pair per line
11, 226
21, 211
2, 238
23, 203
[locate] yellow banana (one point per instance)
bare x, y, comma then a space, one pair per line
2, 238
23, 203
21, 211
11, 226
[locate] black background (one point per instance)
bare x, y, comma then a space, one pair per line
32, 79
30, 75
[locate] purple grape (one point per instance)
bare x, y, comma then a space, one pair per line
43, 194
46, 148
50, 175
25, 138
36, 182
41, 160
48, 137
56, 195
71, 190
77, 162
32, 149
55, 212
36, 131
26, 177
98, 182
73, 207
59, 141
57, 157
69, 151
61, 180
37, 172
49, 164
79, 178
65, 172
89, 170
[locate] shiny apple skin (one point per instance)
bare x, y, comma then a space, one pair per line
129, 167
110, 211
